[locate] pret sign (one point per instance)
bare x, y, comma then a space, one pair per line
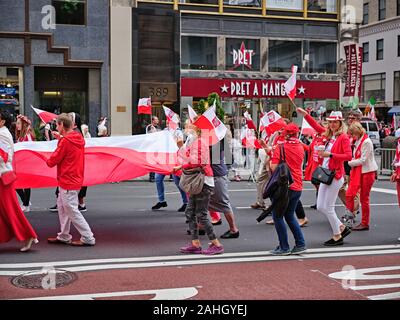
243, 57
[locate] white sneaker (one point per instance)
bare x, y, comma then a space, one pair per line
27, 209
23, 208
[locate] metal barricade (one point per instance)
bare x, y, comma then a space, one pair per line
386, 159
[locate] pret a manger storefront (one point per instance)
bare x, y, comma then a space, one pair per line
258, 95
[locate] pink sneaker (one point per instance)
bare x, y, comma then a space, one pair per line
213, 249
191, 249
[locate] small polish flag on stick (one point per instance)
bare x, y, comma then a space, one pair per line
306, 129
211, 125
290, 84
192, 114
144, 106
272, 122
44, 116
172, 118
249, 121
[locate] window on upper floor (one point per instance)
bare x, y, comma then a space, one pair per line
365, 51
323, 57
382, 10
398, 7
70, 11
282, 55
379, 49
365, 13
242, 54
199, 53
322, 5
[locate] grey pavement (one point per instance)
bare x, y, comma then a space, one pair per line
124, 225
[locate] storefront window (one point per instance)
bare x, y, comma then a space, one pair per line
243, 54
374, 85
322, 57
396, 89
283, 54
244, 3
9, 89
285, 4
199, 53
70, 11
200, 1
322, 5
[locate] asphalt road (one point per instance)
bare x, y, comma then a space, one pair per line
124, 225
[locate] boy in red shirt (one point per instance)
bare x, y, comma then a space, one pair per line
69, 158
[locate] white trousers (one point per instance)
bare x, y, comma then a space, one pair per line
67, 205
327, 196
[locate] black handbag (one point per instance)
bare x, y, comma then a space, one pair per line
323, 175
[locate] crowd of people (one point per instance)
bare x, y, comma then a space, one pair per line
340, 150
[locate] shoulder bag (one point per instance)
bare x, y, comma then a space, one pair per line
192, 180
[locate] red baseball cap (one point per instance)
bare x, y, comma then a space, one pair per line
291, 128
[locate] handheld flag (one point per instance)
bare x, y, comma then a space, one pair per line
172, 118
192, 114
209, 121
144, 106
306, 129
249, 121
290, 84
44, 116
272, 122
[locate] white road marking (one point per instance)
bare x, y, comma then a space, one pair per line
206, 260
365, 274
389, 191
306, 206
160, 294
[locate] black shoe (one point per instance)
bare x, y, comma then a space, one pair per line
159, 205
345, 232
53, 209
82, 208
314, 207
183, 208
332, 242
217, 223
152, 180
230, 235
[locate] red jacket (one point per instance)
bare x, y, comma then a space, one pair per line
69, 158
341, 150
196, 155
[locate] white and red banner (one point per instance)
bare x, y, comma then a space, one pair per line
108, 159
272, 122
306, 129
44, 116
290, 84
211, 125
172, 118
144, 106
354, 70
249, 121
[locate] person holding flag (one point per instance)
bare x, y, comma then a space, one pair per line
172, 126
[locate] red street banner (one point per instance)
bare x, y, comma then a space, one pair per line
306, 89
354, 70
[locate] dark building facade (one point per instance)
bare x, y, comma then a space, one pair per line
55, 54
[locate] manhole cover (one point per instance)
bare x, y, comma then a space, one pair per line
44, 279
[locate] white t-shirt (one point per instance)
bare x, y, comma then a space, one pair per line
325, 164
397, 133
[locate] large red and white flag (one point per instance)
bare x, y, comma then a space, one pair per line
210, 125
272, 122
306, 129
290, 84
44, 116
172, 118
249, 139
249, 121
144, 106
107, 159
192, 114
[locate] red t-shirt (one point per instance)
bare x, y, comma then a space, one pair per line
294, 159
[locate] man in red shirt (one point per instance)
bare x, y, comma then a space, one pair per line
294, 155
69, 158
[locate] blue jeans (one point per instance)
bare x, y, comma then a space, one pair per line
160, 188
280, 226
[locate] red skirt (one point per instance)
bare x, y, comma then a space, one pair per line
13, 223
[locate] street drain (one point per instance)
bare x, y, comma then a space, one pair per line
44, 279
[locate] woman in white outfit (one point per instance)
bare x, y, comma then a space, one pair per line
332, 155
